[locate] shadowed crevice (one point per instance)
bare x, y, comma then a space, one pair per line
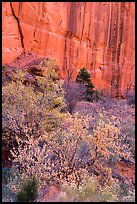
19, 27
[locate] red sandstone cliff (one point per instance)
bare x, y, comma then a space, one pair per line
97, 35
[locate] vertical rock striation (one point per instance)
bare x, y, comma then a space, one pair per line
97, 35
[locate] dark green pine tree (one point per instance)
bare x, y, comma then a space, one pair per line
85, 78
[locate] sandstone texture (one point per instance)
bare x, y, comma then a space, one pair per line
97, 35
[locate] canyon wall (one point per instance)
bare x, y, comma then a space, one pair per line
97, 35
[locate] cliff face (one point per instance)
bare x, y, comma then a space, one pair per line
99, 36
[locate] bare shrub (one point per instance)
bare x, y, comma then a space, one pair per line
74, 92
131, 98
106, 100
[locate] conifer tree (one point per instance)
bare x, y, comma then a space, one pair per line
85, 78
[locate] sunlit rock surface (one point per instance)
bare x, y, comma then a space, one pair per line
97, 35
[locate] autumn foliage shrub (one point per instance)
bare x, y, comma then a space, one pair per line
57, 155
29, 109
52, 156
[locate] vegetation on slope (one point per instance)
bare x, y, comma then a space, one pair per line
52, 143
